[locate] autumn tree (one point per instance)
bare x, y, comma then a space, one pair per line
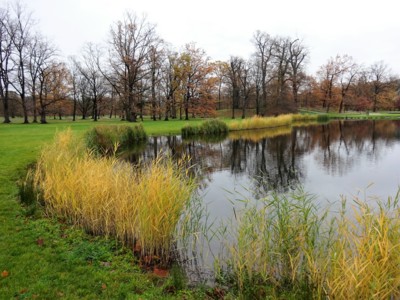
328, 78
53, 86
195, 71
221, 71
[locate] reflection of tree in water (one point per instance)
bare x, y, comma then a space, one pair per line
277, 163
339, 145
205, 158
274, 163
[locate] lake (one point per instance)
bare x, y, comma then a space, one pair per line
340, 158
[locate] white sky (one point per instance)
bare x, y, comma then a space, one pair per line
368, 30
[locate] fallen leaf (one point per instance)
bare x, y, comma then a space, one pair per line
160, 272
4, 274
103, 286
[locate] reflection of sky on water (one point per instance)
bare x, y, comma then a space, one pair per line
371, 177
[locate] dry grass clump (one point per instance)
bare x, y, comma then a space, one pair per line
106, 196
258, 135
257, 122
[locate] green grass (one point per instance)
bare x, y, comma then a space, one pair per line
50, 260
356, 115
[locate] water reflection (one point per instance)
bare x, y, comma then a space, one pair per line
282, 158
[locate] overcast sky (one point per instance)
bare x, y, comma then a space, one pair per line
368, 30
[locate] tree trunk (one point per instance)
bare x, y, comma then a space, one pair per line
74, 111
5, 109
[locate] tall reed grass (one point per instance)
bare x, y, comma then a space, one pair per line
139, 206
285, 245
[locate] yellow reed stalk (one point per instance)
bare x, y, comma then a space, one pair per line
110, 197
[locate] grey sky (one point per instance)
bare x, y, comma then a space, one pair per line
367, 30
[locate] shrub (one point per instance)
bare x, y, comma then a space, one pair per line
213, 127
322, 118
106, 139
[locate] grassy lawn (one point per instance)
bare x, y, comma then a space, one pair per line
45, 259
357, 115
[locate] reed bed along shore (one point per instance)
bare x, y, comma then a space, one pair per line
106, 196
259, 134
258, 122
285, 246
221, 128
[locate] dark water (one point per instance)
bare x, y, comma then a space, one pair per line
349, 158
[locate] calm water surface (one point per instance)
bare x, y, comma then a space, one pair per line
342, 158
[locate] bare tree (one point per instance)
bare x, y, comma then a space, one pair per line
156, 56
22, 24
347, 77
245, 82
236, 65
379, 77
281, 65
171, 81
6, 63
131, 40
297, 57
41, 52
88, 67
264, 49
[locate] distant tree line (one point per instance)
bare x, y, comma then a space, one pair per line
139, 74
